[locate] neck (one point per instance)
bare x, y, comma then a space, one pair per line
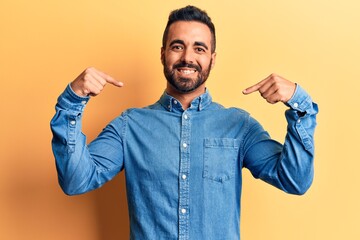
185, 98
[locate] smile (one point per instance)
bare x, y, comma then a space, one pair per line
186, 71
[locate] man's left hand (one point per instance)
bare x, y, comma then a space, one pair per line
273, 89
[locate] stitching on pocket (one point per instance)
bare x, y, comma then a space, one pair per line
220, 156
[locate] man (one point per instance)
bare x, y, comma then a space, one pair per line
184, 154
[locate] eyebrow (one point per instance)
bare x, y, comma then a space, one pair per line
178, 41
201, 44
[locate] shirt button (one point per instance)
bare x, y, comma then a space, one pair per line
298, 121
175, 102
183, 211
183, 176
72, 122
296, 105
186, 116
83, 102
184, 145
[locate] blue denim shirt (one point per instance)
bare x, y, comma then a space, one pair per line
183, 169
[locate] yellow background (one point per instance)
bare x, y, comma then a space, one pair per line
46, 44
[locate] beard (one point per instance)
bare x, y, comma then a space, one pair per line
183, 84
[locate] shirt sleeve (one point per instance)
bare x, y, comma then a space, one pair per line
287, 166
83, 167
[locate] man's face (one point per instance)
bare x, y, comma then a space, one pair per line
187, 56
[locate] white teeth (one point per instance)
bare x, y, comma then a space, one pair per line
187, 71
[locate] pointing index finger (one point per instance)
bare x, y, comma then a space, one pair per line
114, 82
110, 79
251, 89
255, 87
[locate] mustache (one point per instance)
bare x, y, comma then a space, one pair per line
187, 65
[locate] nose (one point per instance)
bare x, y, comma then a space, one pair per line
188, 56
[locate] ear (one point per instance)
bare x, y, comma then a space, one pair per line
162, 55
213, 60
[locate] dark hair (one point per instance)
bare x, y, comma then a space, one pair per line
190, 13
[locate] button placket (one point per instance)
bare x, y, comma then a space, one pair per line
183, 177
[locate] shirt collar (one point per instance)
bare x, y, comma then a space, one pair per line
173, 105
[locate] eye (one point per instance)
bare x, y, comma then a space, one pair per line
200, 50
177, 47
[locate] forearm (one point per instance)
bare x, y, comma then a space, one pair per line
68, 144
288, 166
296, 169
79, 169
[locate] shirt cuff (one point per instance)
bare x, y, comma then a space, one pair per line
300, 101
70, 100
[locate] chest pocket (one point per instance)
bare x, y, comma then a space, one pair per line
220, 156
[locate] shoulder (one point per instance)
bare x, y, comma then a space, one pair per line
228, 110
132, 113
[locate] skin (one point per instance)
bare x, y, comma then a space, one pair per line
187, 42
91, 82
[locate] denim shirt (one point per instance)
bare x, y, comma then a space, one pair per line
183, 169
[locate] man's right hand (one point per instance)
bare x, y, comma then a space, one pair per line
91, 82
